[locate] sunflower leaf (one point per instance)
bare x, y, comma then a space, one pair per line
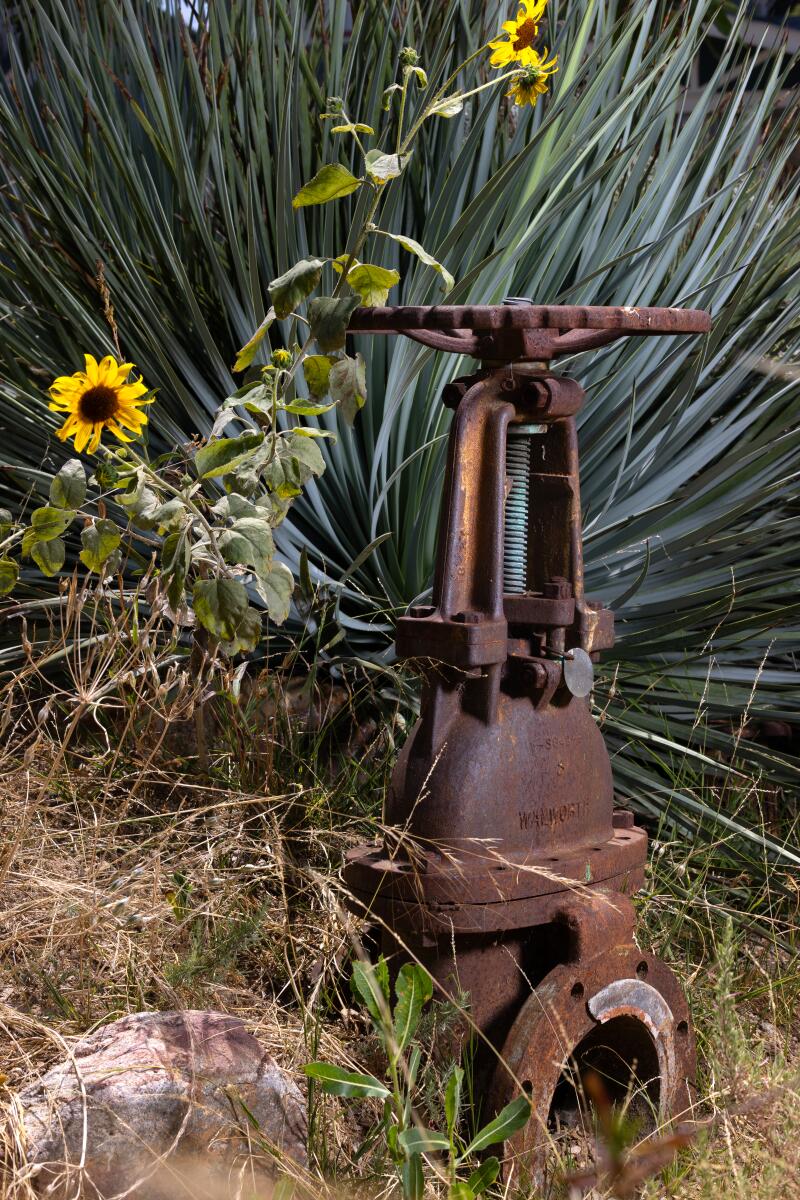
372, 283
330, 183
276, 589
248, 352
47, 522
49, 556
68, 488
317, 369
328, 317
224, 455
383, 167
9, 574
291, 288
99, 541
414, 247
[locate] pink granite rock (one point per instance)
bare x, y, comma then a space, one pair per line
155, 1098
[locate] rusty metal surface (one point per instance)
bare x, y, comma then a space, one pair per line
620, 1013
505, 868
527, 332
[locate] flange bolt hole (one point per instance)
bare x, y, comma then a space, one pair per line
641, 970
683, 1027
576, 991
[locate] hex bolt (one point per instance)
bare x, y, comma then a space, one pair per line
557, 588
535, 674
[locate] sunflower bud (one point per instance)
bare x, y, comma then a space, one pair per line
409, 57
281, 358
335, 104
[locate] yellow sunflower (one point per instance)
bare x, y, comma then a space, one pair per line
532, 84
518, 47
99, 398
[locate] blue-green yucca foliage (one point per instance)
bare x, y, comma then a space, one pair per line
170, 156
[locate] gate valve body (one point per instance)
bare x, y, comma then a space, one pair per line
506, 870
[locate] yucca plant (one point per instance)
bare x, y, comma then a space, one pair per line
148, 165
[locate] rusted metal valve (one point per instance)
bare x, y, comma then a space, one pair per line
506, 870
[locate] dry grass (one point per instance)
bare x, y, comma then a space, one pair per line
131, 881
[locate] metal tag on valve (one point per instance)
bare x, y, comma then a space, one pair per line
579, 672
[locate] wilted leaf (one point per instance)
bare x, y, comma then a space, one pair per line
99, 541
9, 574
330, 183
383, 167
276, 589
415, 248
348, 386
450, 106
352, 127
250, 349
224, 455
68, 487
336, 1081
49, 556
249, 542
291, 288
176, 555
329, 318
248, 634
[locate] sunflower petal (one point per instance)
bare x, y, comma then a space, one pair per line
91, 368
95, 441
114, 428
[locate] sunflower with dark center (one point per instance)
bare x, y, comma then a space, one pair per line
99, 398
532, 81
517, 47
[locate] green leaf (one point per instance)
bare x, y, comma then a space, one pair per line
302, 408
49, 556
276, 589
460, 1191
99, 541
348, 386
221, 606
511, 1119
414, 988
484, 1176
414, 247
9, 574
68, 488
337, 1082
413, 1178
248, 352
330, 183
422, 1141
224, 455
49, 523
372, 283
249, 542
383, 167
317, 368
290, 289
329, 318
371, 985
452, 1098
